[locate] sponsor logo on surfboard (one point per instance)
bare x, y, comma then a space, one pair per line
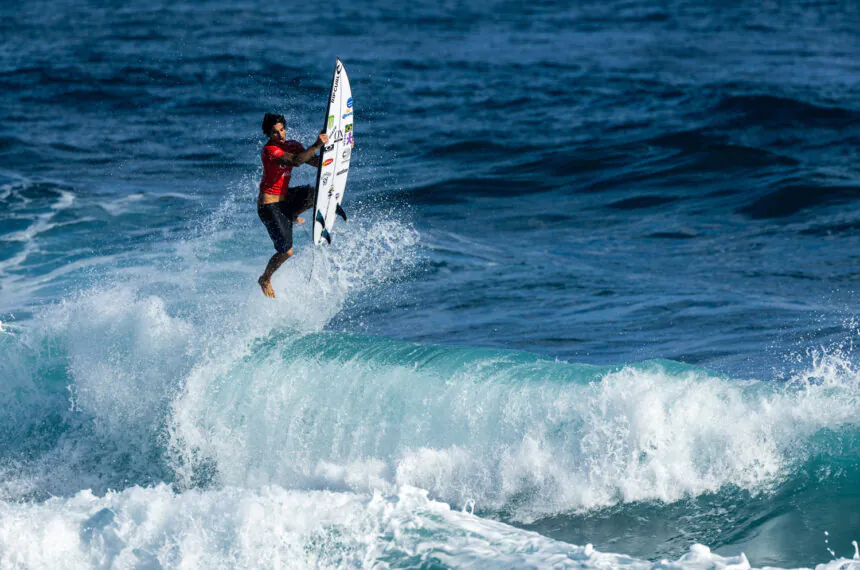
325, 178
349, 139
346, 152
327, 162
330, 121
349, 114
337, 137
330, 191
329, 148
349, 103
345, 170
348, 128
334, 86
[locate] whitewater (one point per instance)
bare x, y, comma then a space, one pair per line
595, 306
169, 416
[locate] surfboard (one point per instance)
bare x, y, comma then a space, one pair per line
335, 156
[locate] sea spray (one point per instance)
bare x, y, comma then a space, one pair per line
454, 422
273, 527
89, 384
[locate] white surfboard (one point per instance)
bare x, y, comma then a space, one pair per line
335, 156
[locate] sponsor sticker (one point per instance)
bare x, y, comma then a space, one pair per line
327, 162
337, 137
329, 148
348, 128
330, 191
345, 170
325, 178
349, 103
346, 152
349, 114
349, 139
334, 86
330, 121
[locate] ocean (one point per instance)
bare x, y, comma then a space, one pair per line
595, 306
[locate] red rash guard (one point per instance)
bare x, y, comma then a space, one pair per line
276, 177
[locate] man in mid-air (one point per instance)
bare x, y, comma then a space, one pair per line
278, 205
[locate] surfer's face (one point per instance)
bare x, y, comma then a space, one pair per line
279, 133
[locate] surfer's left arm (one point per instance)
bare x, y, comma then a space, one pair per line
304, 156
315, 159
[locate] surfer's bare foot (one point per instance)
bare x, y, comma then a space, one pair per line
300, 221
266, 286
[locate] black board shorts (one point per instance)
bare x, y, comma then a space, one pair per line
278, 217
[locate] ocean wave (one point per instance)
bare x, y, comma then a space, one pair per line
475, 148
257, 397
780, 110
33, 208
715, 153
509, 432
642, 202
792, 198
273, 527
459, 190
833, 228
90, 380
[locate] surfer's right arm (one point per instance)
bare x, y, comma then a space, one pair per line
306, 155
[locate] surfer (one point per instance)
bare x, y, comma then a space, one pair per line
278, 205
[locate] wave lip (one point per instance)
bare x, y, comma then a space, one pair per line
89, 382
511, 433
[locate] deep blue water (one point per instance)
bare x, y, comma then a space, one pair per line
599, 283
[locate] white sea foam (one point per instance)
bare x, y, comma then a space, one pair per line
249, 407
315, 454
269, 415
13, 200
272, 527
127, 346
119, 206
40, 223
6, 190
122, 382
478, 433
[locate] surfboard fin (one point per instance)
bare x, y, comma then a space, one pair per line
327, 236
320, 218
340, 212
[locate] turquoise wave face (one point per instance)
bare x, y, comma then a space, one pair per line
167, 368
116, 388
598, 182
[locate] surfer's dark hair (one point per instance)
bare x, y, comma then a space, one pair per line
269, 122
